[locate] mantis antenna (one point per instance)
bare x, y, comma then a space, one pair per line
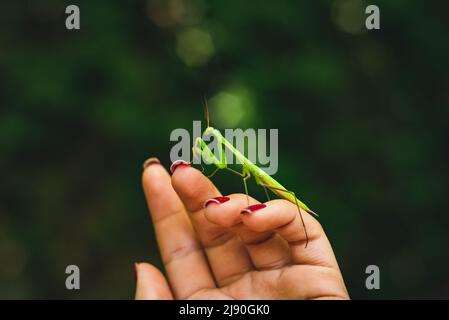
206, 109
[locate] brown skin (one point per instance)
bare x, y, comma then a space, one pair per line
218, 253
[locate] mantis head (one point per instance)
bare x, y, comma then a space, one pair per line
201, 150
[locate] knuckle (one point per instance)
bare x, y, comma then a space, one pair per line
181, 251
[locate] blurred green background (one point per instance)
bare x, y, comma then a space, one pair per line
362, 118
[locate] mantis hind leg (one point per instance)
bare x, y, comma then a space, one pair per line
297, 206
266, 193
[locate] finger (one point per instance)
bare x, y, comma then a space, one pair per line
266, 249
226, 254
151, 283
283, 218
181, 251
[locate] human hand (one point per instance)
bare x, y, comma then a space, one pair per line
215, 251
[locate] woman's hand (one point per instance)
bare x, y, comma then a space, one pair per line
212, 249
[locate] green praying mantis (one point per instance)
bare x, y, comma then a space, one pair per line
249, 169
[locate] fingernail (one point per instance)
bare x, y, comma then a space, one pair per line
150, 161
252, 208
216, 200
178, 163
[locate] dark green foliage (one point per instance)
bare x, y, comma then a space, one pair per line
362, 118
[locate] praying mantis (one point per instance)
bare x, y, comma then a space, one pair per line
249, 169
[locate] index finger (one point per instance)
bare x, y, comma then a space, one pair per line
226, 253
182, 254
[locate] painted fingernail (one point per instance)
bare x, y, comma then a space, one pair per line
150, 161
178, 163
216, 200
252, 208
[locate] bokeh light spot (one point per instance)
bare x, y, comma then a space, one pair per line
349, 15
170, 13
231, 108
195, 47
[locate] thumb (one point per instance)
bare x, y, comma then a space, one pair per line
151, 283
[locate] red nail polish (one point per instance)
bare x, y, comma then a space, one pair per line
216, 200
252, 208
178, 163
